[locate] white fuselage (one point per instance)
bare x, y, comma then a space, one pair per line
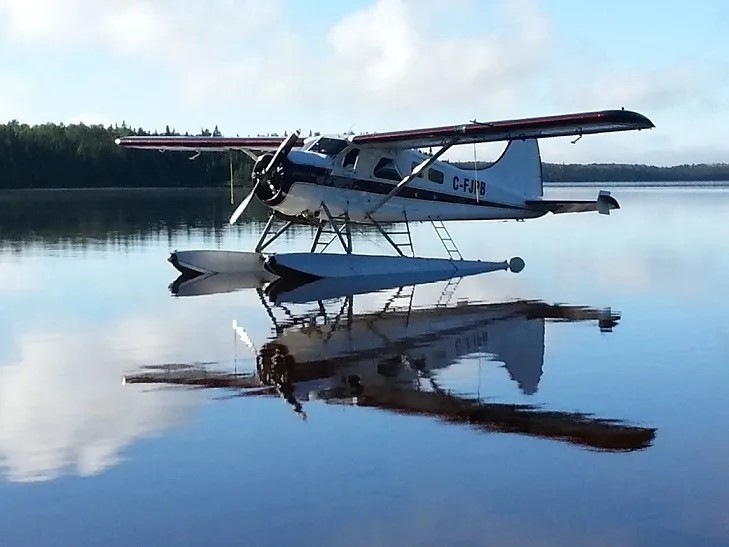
354, 180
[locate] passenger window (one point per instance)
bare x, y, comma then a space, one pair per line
386, 169
350, 159
435, 176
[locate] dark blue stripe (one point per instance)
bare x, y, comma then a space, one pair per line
294, 172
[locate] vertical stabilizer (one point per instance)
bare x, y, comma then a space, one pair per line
519, 169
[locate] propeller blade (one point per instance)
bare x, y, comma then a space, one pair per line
282, 151
243, 205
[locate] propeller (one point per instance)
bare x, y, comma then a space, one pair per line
283, 150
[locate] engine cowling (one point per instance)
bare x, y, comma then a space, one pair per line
271, 191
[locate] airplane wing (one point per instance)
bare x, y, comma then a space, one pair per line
563, 125
204, 144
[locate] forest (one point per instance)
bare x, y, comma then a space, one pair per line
85, 156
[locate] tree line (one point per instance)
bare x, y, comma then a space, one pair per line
620, 172
85, 156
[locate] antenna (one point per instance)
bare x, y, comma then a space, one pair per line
475, 174
230, 161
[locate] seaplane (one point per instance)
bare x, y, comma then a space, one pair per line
387, 180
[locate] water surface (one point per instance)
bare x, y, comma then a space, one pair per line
581, 401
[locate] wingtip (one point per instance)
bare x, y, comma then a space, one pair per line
647, 121
643, 122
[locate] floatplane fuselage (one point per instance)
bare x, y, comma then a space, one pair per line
353, 180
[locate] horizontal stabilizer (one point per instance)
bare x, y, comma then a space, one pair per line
604, 204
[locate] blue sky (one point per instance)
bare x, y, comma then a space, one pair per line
258, 67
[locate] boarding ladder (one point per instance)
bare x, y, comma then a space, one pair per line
446, 240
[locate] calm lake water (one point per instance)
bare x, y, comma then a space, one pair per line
582, 401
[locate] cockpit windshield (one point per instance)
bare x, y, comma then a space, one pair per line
328, 146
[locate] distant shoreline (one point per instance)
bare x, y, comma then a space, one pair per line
242, 189
126, 189
645, 184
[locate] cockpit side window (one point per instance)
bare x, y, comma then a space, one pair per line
386, 169
350, 159
328, 146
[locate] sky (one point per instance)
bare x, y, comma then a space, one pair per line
254, 67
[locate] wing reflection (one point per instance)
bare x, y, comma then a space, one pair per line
390, 359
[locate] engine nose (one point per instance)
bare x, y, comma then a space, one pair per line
270, 191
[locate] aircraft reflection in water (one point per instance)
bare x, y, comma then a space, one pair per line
389, 359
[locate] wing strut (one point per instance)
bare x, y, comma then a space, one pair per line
415, 172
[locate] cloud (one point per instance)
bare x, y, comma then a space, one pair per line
131, 26
684, 100
390, 53
38, 19
382, 56
659, 89
14, 96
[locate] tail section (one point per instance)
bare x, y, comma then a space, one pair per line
519, 169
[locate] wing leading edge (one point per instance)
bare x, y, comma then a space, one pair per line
562, 125
204, 144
